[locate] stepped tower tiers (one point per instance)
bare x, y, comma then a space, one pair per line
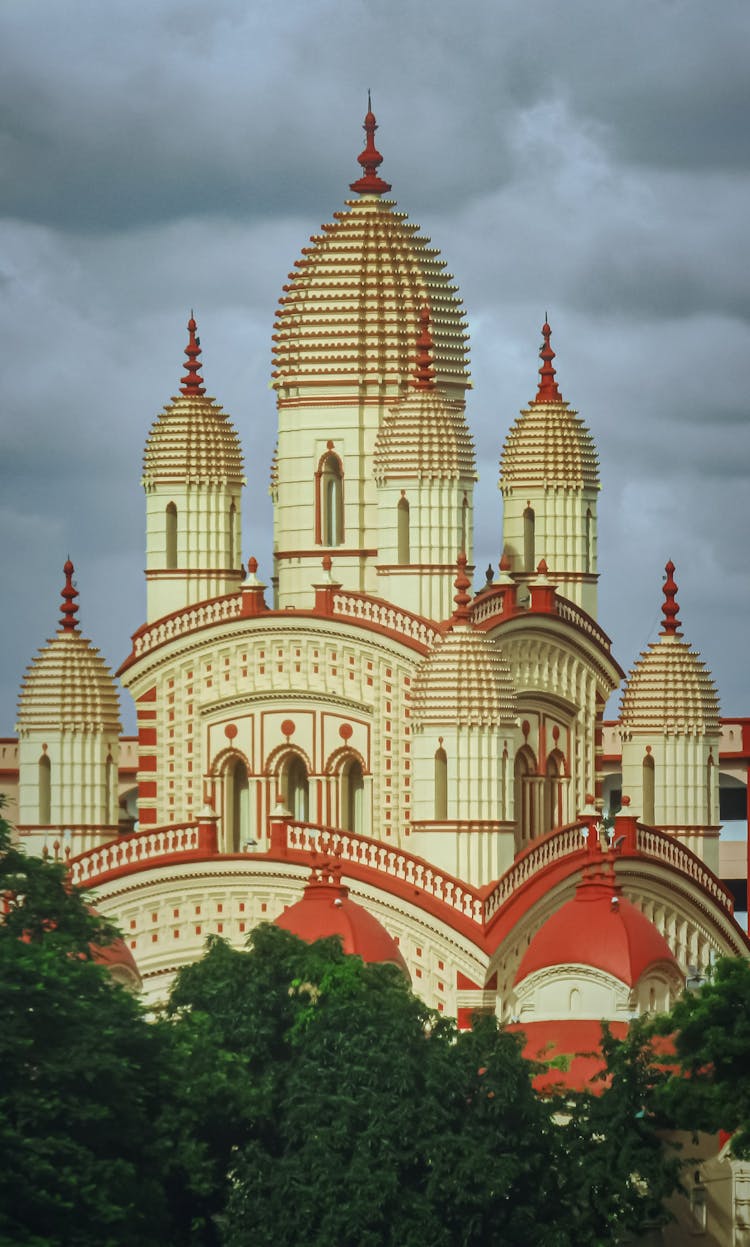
425, 470
69, 740
669, 725
465, 736
549, 479
344, 354
193, 478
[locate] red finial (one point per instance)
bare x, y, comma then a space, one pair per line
670, 608
369, 159
68, 622
461, 614
424, 373
192, 382
548, 391
505, 562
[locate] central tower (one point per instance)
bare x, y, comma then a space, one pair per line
344, 354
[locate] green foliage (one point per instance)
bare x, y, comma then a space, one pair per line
711, 1035
78, 1075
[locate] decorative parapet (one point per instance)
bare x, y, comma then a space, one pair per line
551, 848
666, 848
492, 605
573, 614
134, 852
219, 610
398, 622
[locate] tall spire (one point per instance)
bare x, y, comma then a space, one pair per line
192, 382
370, 159
424, 373
68, 621
548, 391
670, 608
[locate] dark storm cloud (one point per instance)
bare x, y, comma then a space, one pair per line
581, 158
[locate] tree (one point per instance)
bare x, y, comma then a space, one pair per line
710, 1029
79, 1074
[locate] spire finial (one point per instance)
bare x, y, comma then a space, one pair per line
424, 373
370, 159
461, 584
68, 621
192, 382
670, 608
548, 391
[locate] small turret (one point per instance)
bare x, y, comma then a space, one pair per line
193, 478
69, 739
549, 479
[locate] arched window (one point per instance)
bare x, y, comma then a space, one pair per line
332, 501
710, 792
441, 785
237, 806
352, 797
109, 776
589, 539
554, 811
171, 522
527, 782
44, 785
649, 814
296, 788
464, 524
404, 552
528, 540
232, 527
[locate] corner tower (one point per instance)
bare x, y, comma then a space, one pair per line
344, 354
193, 478
549, 479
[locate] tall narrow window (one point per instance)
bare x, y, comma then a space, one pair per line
526, 785
465, 524
649, 814
589, 538
441, 785
45, 790
404, 551
352, 797
109, 775
528, 540
237, 806
332, 501
297, 789
232, 526
710, 792
171, 520
554, 814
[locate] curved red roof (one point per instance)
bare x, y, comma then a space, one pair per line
326, 909
601, 928
116, 955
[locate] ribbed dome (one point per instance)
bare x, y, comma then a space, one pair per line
68, 685
193, 440
326, 909
424, 436
350, 313
599, 928
549, 445
670, 690
465, 680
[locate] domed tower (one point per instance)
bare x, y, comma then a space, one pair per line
193, 478
425, 470
69, 739
669, 724
464, 738
344, 354
549, 479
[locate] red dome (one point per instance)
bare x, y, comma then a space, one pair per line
118, 958
598, 928
325, 909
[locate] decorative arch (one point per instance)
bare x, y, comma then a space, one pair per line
292, 769
170, 521
44, 790
527, 794
403, 535
529, 540
441, 785
236, 803
554, 791
329, 500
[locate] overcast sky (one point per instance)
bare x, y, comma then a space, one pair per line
589, 159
